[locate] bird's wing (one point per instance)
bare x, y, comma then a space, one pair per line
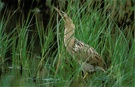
88, 54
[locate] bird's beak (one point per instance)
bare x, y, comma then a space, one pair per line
61, 13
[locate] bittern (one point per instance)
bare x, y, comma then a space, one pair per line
86, 55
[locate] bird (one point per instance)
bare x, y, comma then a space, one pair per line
86, 56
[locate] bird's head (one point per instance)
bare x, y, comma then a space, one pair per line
69, 26
64, 16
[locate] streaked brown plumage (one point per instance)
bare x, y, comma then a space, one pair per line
89, 59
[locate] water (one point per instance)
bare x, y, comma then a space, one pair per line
13, 78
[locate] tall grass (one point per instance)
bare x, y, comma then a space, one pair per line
5, 41
101, 32
56, 67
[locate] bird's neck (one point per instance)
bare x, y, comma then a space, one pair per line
68, 36
69, 31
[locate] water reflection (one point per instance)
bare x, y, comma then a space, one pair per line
13, 78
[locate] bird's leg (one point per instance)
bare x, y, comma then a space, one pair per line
85, 75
